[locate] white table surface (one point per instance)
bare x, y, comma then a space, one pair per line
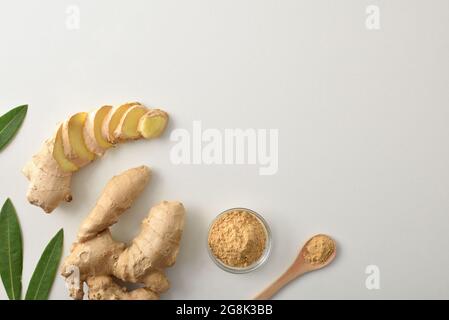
362, 118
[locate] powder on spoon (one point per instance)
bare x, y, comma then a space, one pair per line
319, 249
237, 238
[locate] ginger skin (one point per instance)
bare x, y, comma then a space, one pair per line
49, 184
98, 259
78, 141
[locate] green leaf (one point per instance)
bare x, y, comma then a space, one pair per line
10, 123
45, 272
11, 257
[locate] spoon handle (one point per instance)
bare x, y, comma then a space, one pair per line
277, 285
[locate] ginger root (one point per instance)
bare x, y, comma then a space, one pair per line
75, 148
153, 123
98, 260
113, 119
49, 183
127, 128
93, 136
81, 139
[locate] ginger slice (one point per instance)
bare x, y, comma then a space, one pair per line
113, 119
153, 123
58, 153
127, 128
93, 134
73, 140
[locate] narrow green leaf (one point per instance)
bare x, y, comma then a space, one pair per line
11, 254
10, 123
45, 272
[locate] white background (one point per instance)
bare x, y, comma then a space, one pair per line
362, 116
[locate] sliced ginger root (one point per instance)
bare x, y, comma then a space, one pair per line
78, 141
113, 120
153, 123
58, 153
127, 129
98, 260
93, 131
75, 148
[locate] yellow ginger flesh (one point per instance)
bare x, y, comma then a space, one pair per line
81, 139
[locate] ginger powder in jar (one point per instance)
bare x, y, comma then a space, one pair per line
238, 238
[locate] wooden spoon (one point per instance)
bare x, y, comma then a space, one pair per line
299, 267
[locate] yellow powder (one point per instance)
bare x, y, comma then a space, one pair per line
319, 249
237, 238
